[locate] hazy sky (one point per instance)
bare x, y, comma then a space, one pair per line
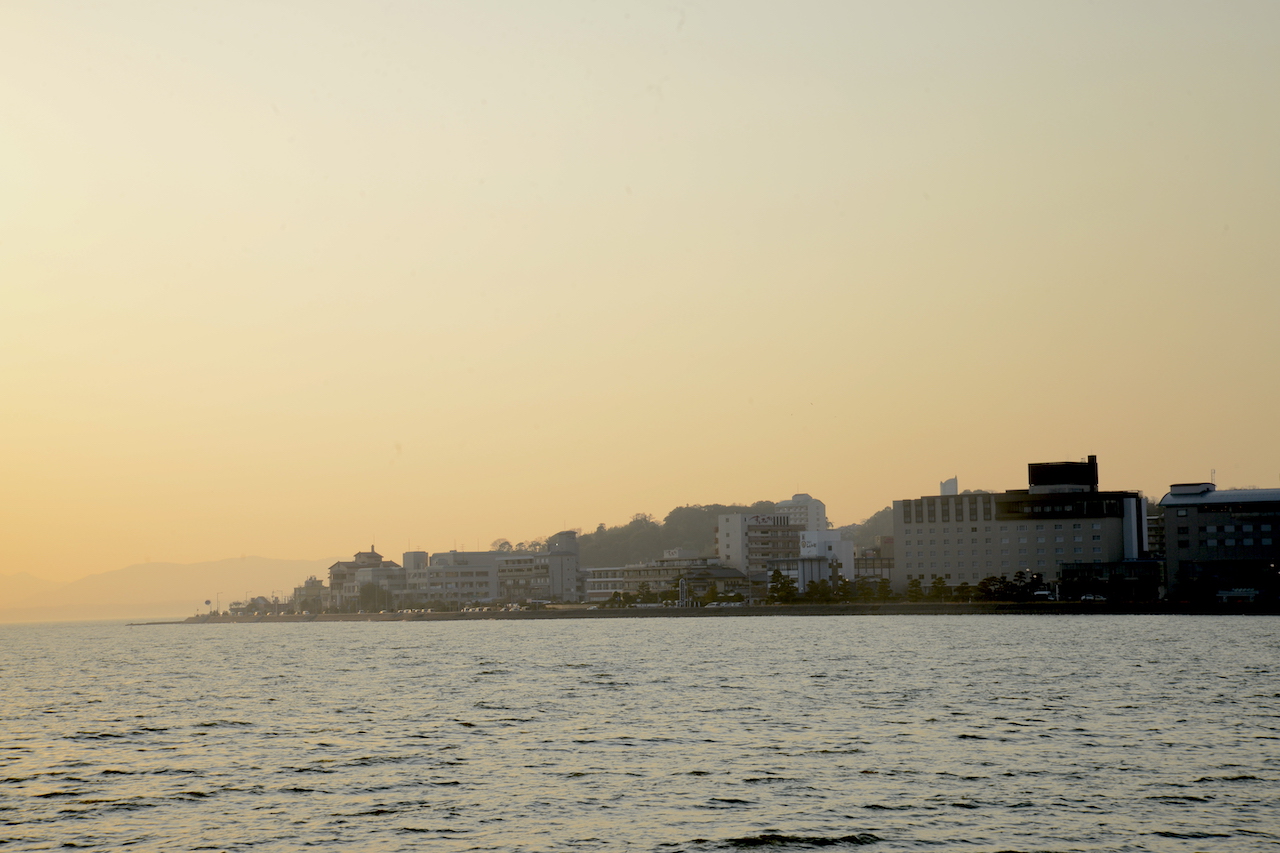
278, 278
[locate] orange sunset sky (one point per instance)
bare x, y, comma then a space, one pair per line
278, 278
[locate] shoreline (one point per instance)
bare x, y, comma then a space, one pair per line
1043, 608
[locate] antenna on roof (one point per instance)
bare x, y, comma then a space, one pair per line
1213, 476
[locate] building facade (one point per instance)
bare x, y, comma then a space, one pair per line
747, 541
1221, 543
345, 581
659, 575
1061, 518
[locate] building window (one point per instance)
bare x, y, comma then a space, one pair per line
1096, 538
1078, 550
1097, 550
1248, 542
1182, 513
1184, 543
1231, 542
1266, 541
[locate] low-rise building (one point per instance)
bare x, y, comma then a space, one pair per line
312, 596
344, 586
660, 575
1221, 544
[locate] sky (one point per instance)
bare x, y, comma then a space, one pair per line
291, 278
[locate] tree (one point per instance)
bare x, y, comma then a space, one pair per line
503, 545
865, 589
819, 592
845, 589
782, 588
939, 589
645, 593
374, 597
620, 599
914, 590
987, 588
884, 589
964, 592
712, 593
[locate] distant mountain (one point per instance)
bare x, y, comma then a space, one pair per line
21, 586
154, 590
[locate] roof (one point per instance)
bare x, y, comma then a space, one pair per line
1222, 496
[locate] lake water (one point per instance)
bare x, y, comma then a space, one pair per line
975, 733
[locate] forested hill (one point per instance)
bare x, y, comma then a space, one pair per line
644, 538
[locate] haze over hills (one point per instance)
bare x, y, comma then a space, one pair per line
165, 590
151, 590
693, 528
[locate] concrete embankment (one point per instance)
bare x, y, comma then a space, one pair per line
1038, 608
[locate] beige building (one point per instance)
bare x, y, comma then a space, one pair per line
1061, 518
660, 575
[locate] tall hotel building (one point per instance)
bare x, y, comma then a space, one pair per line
1060, 519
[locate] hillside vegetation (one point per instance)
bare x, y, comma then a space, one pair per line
644, 538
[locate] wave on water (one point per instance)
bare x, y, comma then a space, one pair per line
771, 839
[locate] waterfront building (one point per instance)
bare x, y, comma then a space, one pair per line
459, 577
662, 574
344, 586
463, 577
312, 596
1061, 518
747, 541
1221, 543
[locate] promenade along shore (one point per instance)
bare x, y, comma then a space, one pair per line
1035, 608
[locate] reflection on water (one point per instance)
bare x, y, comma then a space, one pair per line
892, 733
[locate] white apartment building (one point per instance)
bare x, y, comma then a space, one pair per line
744, 541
